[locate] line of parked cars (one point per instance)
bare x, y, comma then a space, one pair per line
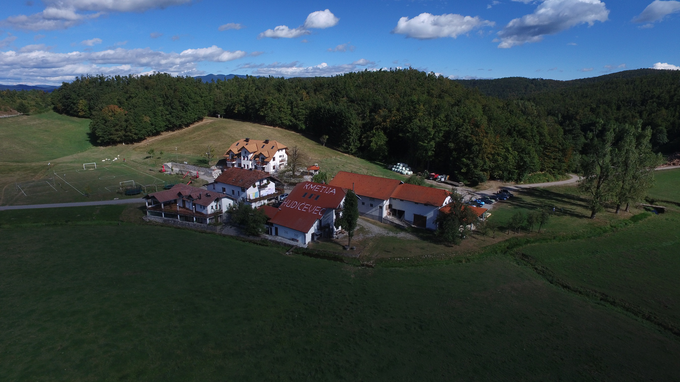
500, 195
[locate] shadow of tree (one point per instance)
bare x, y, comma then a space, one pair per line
538, 198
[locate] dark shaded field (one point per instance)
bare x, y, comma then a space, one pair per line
95, 300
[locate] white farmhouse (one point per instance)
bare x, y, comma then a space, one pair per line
189, 204
374, 192
418, 205
307, 213
269, 156
252, 187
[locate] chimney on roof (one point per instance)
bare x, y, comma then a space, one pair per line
247, 139
266, 141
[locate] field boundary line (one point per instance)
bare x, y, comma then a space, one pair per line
142, 172
595, 295
55, 174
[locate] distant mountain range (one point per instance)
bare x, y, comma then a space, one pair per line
46, 88
49, 88
220, 77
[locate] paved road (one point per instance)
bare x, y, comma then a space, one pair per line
471, 193
76, 204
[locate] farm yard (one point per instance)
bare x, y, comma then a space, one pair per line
93, 293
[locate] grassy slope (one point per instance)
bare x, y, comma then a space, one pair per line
42, 137
666, 187
28, 143
638, 265
168, 304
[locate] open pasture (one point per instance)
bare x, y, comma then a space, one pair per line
42, 137
153, 303
638, 265
666, 188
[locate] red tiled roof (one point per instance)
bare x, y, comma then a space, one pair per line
306, 204
200, 196
235, 176
421, 194
477, 210
269, 211
366, 185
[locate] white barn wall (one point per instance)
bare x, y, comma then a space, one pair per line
411, 208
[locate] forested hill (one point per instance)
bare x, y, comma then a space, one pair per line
521, 87
389, 116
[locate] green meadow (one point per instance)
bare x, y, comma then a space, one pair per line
95, 293
98, 298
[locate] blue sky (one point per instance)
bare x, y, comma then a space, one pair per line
51, 41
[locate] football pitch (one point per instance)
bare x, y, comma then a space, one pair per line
106, 181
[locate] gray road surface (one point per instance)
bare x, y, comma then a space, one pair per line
75, 204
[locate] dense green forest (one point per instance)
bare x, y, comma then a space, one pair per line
24, 101
431, 122
647, 95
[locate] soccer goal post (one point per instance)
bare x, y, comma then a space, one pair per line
127, 184
90, 166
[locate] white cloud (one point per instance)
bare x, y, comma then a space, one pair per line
315, 20
7, 40
551, 17
665, 66
342, 48
363, 62
155, 34
657, 10
92, 42
39, 64
230, 26
114, 5
294, 69
321, 20
428, 26
283, 31
585, 70
613, 67
63, 14
33, 48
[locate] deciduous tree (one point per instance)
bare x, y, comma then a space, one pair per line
350, 216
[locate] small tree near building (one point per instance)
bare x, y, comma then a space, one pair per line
350, 216
454, 226
251, 220
321, 177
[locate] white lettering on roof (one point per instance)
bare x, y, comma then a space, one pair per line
320, 188
304, 207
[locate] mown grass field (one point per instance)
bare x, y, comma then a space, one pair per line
101, 299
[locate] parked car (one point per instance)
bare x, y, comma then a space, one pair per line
282, 197
502, 196
506, 192
486, 200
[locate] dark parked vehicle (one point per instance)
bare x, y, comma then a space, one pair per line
282, 197
506, 192
486, 200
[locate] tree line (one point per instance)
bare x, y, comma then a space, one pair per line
126, 109
426, 120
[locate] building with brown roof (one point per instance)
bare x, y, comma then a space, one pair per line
418, 204
383, 197
309, 212
187, 203
374, 192
253, 187
268, 155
